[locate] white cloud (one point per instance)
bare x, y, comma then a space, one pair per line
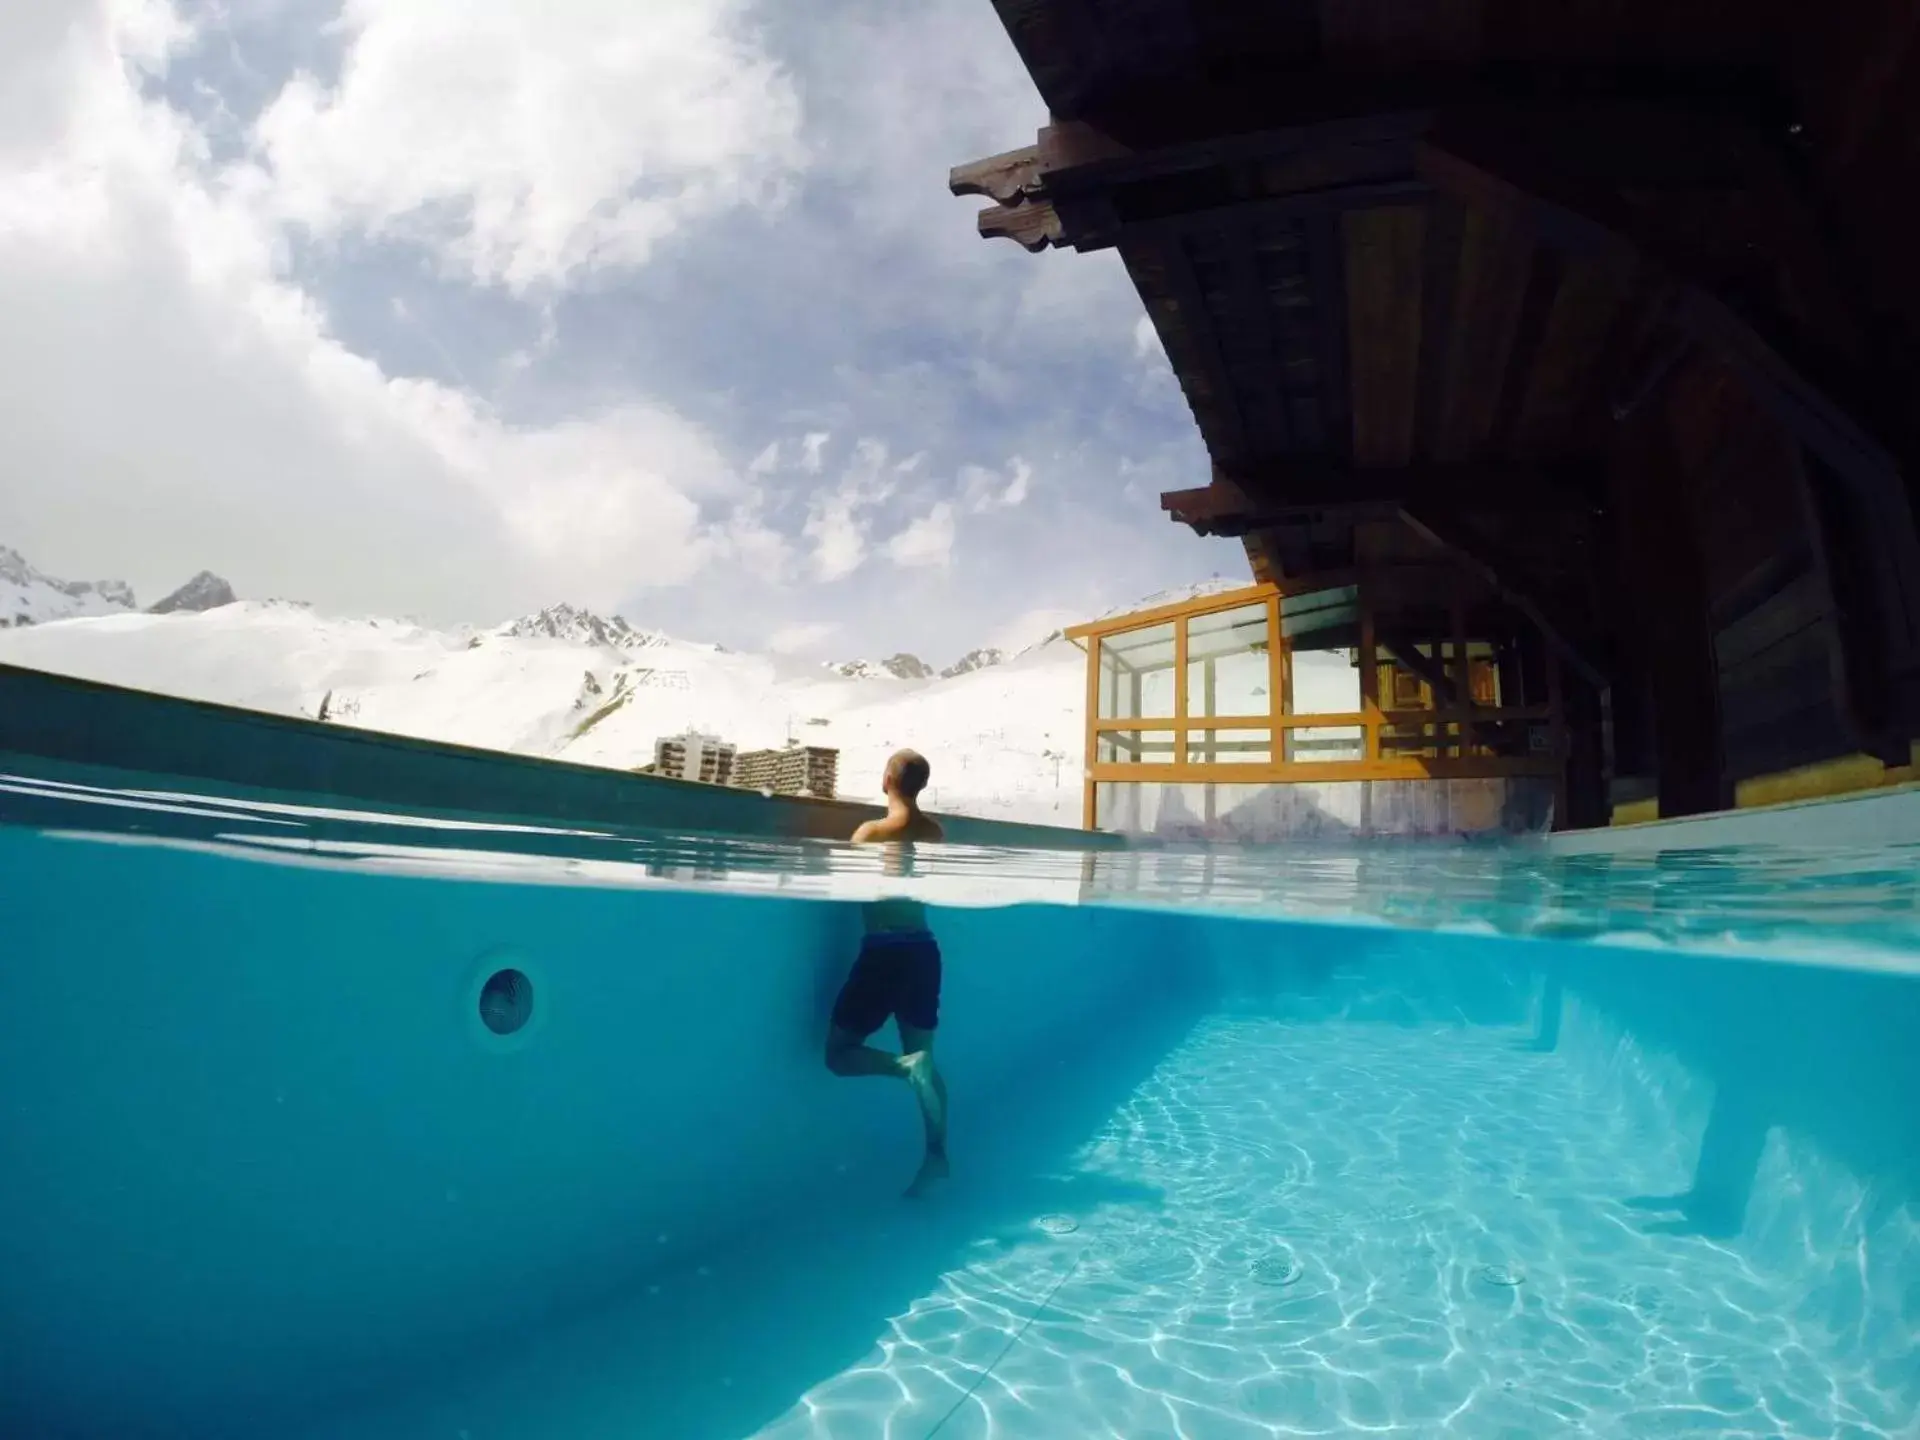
811, 447
837, 519
157, 363
982, 490
529, 142
839, 540
1146, 340
802, 636
927, 542
767, 461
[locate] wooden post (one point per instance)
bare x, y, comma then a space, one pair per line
1279, 682
1557, 733
1180, 671
1369, 676
1462, 675
1668, 584
1089, 820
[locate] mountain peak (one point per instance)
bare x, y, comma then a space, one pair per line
583, 627
973, 660
205, 591
897, 667
31, 597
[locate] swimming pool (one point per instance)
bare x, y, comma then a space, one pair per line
1413, 1140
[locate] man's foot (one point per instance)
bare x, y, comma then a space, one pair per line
926, 1089
932, 1171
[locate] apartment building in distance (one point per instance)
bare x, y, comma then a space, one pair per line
695, 756
795, 770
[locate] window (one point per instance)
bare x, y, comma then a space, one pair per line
1135, 747
1322, 629
1327, 742
1136, 674
1229, 747
1227, 672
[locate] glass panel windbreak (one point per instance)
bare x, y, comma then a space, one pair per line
1136, 674
1229, 747
1327, 742
1135, 747
1322, 629
1227, 663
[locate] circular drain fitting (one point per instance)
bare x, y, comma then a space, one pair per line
1508, 1275
506, 1002
1058, 1224
1277, 1270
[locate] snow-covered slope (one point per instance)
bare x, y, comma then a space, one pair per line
1004, 741
28, 597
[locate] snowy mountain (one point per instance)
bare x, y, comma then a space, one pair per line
1005, 742
205, 591
1004, 733
975, 660
896, 667
583, 627
28, 597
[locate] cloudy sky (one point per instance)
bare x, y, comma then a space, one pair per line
457, 308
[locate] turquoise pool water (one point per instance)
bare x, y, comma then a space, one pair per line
1411, 1140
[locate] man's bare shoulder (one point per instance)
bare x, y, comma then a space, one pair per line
894, 828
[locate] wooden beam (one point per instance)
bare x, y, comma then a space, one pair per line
1214, 380
1006, 178
1033, 225
1269, 493
1383, 267
1431, 669
1562, 631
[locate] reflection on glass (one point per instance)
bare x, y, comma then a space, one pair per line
1322, 630
1229, 747
1136, 674
1227, 663
1135, 747
1327, 742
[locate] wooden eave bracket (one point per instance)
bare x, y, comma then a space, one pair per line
1216, 509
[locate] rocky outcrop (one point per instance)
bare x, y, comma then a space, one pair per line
32, 597
896, 667
564, 622
205, 591
974, 660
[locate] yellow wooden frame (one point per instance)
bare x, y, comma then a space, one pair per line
1453, 724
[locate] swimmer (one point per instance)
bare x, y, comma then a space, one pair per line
897, 973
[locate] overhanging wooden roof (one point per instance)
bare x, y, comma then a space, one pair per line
1418, 259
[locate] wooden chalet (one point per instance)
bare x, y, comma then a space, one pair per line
1580, 341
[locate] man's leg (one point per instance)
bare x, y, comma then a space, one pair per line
931, 1091
849, 1054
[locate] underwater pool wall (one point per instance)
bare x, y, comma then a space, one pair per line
262, 1149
